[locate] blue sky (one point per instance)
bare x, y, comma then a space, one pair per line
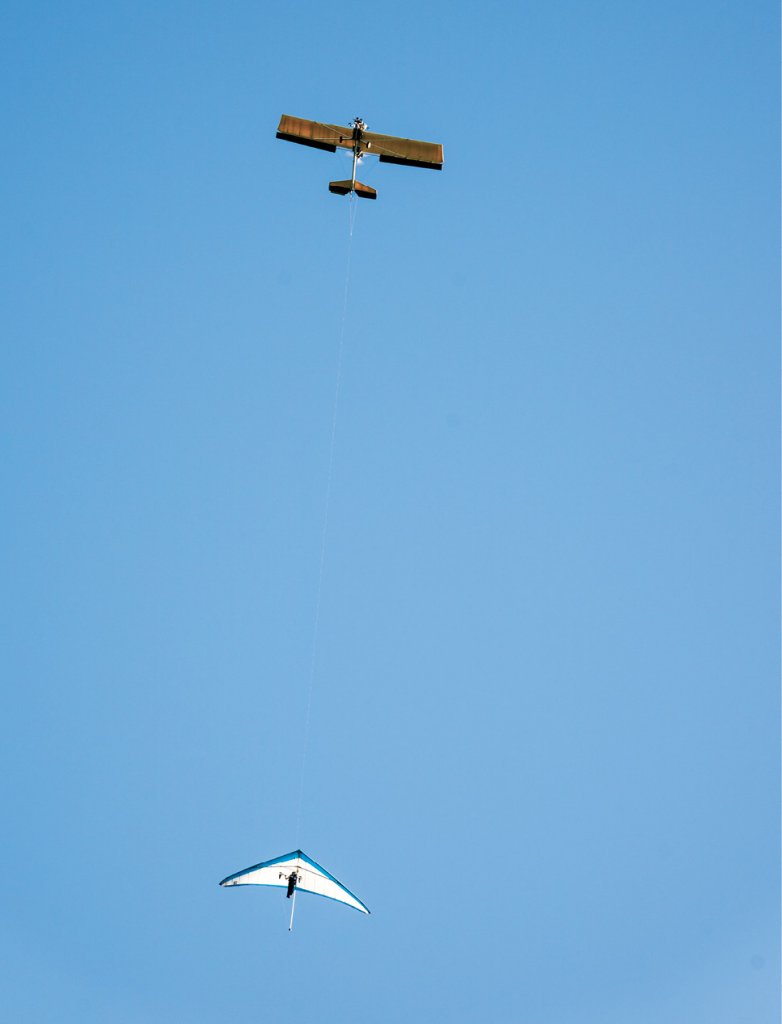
544, 743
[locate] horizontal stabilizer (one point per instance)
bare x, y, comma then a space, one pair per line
344, 188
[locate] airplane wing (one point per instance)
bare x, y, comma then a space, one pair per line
410, 152
390, 149
314, 133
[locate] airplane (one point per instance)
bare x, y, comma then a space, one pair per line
355, 137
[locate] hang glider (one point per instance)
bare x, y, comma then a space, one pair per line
355, 137
296, 871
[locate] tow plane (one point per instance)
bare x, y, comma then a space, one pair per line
355, 137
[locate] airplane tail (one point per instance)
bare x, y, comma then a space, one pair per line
344, 188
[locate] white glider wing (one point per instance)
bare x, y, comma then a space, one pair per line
310, 877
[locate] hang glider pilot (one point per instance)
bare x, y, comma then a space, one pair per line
292, 880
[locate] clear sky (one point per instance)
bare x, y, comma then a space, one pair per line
544, 742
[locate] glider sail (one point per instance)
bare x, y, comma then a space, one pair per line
355, 137
296, 871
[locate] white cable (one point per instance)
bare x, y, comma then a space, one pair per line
352, 209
